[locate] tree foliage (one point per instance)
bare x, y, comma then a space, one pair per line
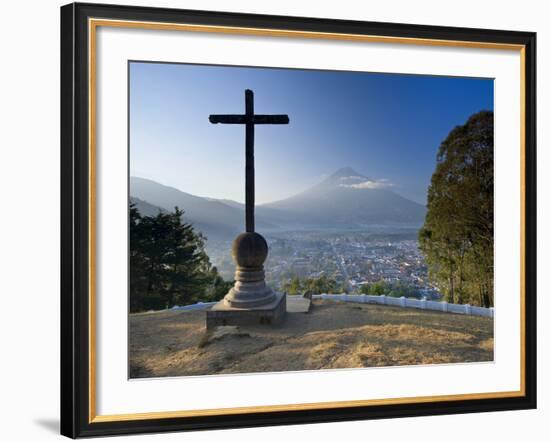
457, 236
376, 288
168, 263
321, 284
394, 289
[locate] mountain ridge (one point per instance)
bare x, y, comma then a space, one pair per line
344, 199
347, 197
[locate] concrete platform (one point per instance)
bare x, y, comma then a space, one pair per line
297, 304
269, 314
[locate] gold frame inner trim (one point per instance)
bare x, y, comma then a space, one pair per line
92, 28
299, 34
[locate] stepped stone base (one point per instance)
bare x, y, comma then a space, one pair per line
269, 314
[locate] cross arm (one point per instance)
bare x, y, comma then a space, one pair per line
227, 119
270, 119
244, 119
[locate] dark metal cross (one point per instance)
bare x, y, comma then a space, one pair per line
249, 119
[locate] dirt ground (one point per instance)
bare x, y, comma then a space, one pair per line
331, 335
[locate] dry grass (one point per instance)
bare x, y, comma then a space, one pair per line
332, 335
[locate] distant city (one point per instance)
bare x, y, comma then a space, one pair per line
352, 259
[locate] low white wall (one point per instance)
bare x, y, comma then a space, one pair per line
198, 306
423, 304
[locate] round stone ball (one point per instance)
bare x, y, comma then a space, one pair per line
250, 250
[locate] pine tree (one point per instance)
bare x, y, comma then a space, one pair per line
168, 263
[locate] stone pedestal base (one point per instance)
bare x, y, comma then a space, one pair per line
269, 314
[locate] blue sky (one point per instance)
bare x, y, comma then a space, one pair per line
386, 126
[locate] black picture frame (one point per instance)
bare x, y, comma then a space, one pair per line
75, 219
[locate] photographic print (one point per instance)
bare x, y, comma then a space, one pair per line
291, 219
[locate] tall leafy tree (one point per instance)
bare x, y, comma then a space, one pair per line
168, 263
457, 236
